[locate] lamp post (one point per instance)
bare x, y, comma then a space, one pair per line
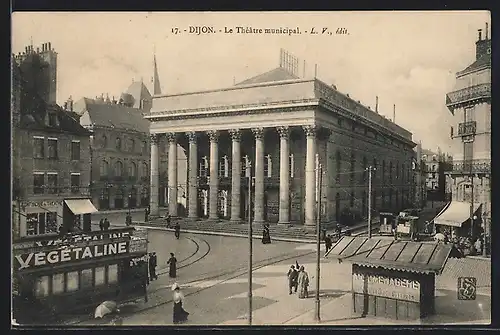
129, 202
250, 242
317, 316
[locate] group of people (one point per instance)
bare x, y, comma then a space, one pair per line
104, 224
298, 280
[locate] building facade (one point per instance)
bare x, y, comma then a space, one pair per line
420, 175
436, 167
50, 151
470, 105
277, 128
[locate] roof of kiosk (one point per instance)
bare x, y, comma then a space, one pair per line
422, 257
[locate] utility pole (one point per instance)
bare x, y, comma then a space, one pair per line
471, 203
250, 242
318, 240
370, 169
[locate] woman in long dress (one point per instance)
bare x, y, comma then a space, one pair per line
180, 315
173, 266
303, 282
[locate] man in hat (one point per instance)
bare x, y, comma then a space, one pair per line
292, 279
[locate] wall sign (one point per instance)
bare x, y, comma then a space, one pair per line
69, 254
71, 239
381, 286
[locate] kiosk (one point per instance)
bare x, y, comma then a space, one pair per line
392, 279
56, 276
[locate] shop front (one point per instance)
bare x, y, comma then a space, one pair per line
392, 279
76, 213
55, 277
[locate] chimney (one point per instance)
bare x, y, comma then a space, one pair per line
479, 31
49, 47
394, 113
486, 32
376, 104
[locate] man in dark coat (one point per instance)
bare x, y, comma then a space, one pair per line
106, 224
328, 243
293, 276
152, 266
177, 230
101, 224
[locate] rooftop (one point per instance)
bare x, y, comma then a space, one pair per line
114, 116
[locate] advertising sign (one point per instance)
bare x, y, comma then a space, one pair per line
381, 286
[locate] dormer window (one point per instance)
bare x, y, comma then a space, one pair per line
52, 120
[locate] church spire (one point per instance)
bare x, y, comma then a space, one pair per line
156, 78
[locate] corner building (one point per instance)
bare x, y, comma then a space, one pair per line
281, 125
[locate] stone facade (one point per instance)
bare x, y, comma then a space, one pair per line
282, 138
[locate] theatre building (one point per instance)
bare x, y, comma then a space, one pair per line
50, 153
279, 125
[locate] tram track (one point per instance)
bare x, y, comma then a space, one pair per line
165, 269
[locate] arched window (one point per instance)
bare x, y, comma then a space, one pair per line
224, 167
291, 163
104, 141
132, 170
145, 171
119, 169
118, 144
203, 166
268, 166
104, 168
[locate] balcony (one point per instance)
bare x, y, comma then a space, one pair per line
475, 166
467, 128
467, 95
58, 190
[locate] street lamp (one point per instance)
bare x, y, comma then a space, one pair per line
318, 240
250, 243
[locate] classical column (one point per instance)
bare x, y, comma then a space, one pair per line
235, 175
259, 175
153, 196
192, 176
284, 175
214, 174
310, 203
172, 174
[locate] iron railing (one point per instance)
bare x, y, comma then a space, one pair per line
477, 92
467, 128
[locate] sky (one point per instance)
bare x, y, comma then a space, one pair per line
405, 58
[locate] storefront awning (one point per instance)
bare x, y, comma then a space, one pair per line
421, 257
456, 214
80, 206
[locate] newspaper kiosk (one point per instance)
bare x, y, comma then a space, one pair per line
57, 276
392, 279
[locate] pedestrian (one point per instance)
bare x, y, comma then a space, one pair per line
292, 279
328, 243
101, 224
303, 283
169, 220
177, 230
266, 236
146, 214
106, 224
179, 314
152, 266
173, 266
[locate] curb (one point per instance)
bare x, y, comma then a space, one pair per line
202, 232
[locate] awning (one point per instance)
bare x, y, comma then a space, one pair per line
420, 257
80, 206
456, 214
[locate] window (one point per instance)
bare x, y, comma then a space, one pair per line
53, 121
291, 165
58, 283
104, 168
132, 170
104, 141
41, 286
75, 150
268, 166
41, 223
72, 281
203, 166
145, 172
131, 145
112, 273
224, 167
50, 222
118, 169
100, 276
38, 183
75, 183
119, 198
118, 144
52, 183
31, 224
86, 278
468, 116
52, 148
390, 173
38, 147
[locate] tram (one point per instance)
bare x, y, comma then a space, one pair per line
55, 277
